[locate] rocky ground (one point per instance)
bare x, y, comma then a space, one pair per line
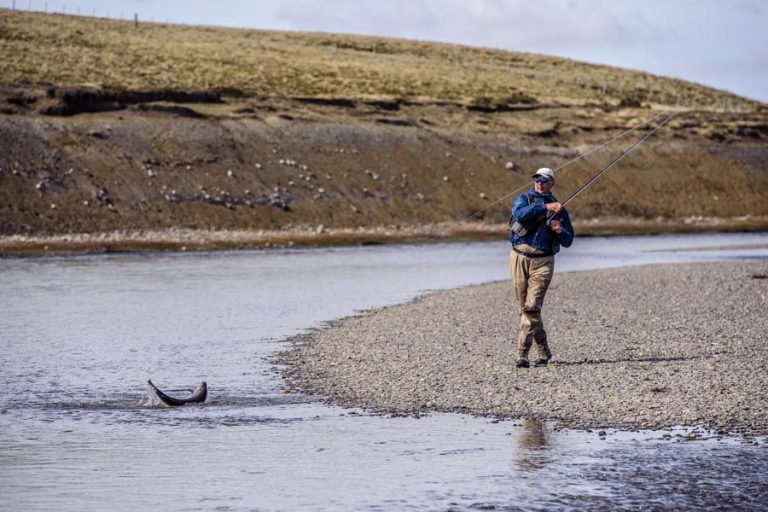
120, 136
184, 239
643, 347
296, 166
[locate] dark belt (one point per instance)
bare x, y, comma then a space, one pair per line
531, 255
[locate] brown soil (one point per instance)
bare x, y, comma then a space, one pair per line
110, 131
222, 163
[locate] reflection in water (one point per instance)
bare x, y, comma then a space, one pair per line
533, 453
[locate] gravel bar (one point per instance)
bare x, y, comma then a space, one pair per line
645, 347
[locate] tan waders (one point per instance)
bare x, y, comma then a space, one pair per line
532, 275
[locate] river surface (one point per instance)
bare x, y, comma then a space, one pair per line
79, 337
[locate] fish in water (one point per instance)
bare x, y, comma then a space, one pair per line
199, 394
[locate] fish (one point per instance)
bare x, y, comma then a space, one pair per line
199, 394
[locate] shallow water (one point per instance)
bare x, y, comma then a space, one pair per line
81, 335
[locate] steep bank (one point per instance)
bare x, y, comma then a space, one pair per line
289, 164
640, 347
107, 129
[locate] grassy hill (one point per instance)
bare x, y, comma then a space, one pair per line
80, 51
107, 126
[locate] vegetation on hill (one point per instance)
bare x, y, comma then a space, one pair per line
300, 137
109, 54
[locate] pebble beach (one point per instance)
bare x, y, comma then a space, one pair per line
646, 347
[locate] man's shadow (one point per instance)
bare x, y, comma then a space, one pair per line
627, 360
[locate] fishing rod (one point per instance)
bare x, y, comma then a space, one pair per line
675, 109
615, 161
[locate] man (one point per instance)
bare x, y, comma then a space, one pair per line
540, 225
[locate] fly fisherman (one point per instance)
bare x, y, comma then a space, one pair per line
539, 226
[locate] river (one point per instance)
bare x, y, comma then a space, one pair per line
81, 335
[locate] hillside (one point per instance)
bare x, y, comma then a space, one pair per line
306, 138
71, 51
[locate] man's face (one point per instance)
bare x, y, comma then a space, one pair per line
542, 186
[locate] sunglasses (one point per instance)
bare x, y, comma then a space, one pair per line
542, 180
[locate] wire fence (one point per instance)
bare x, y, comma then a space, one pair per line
72, 9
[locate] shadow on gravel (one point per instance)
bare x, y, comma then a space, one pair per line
628, 360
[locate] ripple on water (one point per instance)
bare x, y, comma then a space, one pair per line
74, 330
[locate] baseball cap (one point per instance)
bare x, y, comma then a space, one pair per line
545, 172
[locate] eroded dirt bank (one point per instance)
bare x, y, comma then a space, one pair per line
313, 166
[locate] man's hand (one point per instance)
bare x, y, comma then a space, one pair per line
554, 207
555, 226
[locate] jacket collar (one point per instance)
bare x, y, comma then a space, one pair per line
545, 195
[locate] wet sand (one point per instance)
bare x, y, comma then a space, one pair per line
640, 347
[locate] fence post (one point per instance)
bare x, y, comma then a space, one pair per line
136, 20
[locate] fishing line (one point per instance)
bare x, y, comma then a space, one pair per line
615, 161
675, 109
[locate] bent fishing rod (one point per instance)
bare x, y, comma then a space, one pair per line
674, 109
622, 155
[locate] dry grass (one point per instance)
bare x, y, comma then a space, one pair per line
79, 51
437, 153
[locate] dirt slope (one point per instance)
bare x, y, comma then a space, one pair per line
81, 156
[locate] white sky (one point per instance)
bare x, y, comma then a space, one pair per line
719, 43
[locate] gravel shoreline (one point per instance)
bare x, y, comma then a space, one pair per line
645, 347
183, 239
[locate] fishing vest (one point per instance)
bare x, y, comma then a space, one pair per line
518, 227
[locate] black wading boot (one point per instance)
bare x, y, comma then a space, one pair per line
522, 363
543, 361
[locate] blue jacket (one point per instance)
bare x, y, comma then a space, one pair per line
542, 237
